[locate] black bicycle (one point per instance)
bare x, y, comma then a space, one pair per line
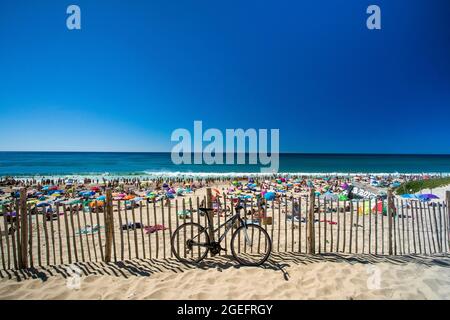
250, 243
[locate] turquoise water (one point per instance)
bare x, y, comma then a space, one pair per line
114, 163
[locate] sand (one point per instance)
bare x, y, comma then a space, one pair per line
286, 276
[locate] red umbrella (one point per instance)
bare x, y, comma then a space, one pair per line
96, 189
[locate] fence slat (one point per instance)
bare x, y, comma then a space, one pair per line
7, 236
86, 234
60, 241
47, 253
74, 237
156, 233
142, 230
311, 234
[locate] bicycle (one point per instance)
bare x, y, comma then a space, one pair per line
195, 244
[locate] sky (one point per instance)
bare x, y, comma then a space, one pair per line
138, 70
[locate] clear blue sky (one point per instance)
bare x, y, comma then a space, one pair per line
139, 69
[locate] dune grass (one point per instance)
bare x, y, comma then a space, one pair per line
416, 186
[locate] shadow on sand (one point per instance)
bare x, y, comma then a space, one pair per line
277, 262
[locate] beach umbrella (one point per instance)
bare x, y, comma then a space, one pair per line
101, 198
396, 184
94, 204
128, 197
269, 195
408, 196
170, 195
343, 197
86, 193
42, 204
429, 196
95, 189
344, 186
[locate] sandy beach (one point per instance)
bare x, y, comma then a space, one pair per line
286, 276
143, 267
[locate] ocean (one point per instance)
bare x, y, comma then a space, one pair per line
24, 164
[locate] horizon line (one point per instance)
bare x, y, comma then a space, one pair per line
283, 152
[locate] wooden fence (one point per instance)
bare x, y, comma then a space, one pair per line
122, 230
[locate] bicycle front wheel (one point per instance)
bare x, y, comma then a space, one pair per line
190, 243
251, 245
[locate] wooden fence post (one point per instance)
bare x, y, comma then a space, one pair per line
447, 196
390, 212
23, 229
108, 225
310, 225
210, 213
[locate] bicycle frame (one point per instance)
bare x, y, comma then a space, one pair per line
229, 225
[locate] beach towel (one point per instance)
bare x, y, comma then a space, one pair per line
328, 221
155, 228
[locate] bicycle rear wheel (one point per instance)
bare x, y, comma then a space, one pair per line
251, 245
190, 243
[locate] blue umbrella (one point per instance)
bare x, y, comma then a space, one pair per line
42, 204
269, 195
429, 196
408, 196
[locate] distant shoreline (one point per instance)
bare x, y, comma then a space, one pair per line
217, 175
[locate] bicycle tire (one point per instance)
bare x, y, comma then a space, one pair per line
174, 245
269, 244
